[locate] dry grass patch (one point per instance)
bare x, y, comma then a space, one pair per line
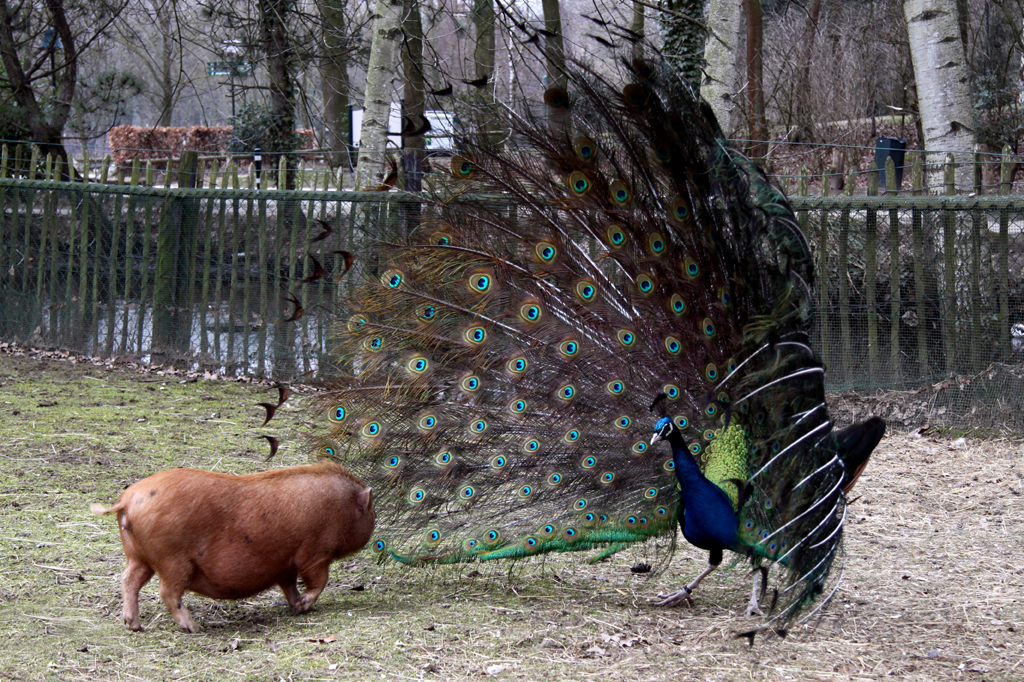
934, 573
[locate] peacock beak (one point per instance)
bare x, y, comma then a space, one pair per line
655, 438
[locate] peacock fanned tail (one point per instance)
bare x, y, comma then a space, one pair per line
503, 359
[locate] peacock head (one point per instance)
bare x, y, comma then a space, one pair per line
662, 429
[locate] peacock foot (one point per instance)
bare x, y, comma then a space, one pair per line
753, 609
676, 598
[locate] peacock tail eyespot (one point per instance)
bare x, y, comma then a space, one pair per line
433, 537
731, 365
498, 462
440, 239
748, 525
615, 387
470, 383
744, 408
586, 291
373, 344
467, 492
708, 327
426, 313
622, 422
723, 397
767, 504
517, 365
392, 462
671, 391
662, 154
428, 422
625, 337
469, 545
690, 268
760, 417
569, 534
379, 546
581, 504
650, 493
711, 410
355, 323
548, 530
656, 243
615, 235
443, 458
327, 451
531, 445
619, 193
337, 414
417, 364
530, 544
579, 183
525, 491
517, 406
661, 511
478, 426
765, 534
569, 348
635, 96
545, 252
681, 421
771, 547
603, 518
554, 479
643, 520
724, 297
392, 279
589, 519
588, 463
639, 447
695, 449
645, 283
556, 98
585, 148
571, 436
776, 447
711, 371
630, 521
677, 304
371, 430
679, 212
669, 465
462, 166
607, 477
709, 434
673, 345
480, 283
566, 392
529, 312
493, 537
417, 495
475, 335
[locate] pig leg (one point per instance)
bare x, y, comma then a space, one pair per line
291, 592
315, 578
172, 587
136, 574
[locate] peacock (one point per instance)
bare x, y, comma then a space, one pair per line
601, 272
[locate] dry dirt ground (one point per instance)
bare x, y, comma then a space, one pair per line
933, 586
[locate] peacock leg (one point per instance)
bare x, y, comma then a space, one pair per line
752, 608
683, 595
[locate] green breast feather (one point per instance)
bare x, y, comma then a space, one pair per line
725, 460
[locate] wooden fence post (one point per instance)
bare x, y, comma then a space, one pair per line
977, 227
871, 276
844, 281
949, 253
920, 283
175, 262
1005, 182
823, 302
894, 273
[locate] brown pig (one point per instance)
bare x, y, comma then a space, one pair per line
230, 537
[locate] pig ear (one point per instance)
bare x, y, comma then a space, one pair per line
364, 499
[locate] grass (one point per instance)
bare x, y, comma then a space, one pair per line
933, 587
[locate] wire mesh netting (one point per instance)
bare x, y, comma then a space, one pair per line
919, 296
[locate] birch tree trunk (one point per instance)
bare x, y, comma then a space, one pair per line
554, 51
380, 75
943, 92
723, 60
684, 31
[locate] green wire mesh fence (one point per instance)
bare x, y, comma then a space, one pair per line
921, 296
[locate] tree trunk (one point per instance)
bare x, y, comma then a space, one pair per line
46, 127
334, 80
756, 119
804, 117
278, 51
554, 50
639, 17
940, 72
380, 74
724, 59
684, 31
415, 107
